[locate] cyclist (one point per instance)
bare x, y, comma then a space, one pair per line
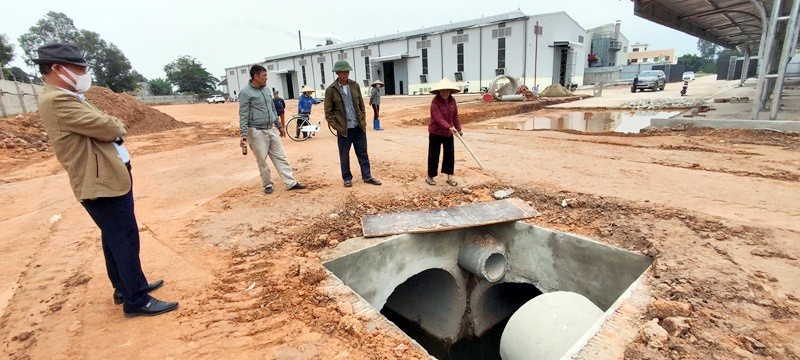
304, 107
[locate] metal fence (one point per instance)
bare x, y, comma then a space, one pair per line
18, 98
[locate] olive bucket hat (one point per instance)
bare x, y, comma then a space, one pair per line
59, 53
341, 65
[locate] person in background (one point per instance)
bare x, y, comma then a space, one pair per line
280, 105
443, 125
344, 111
304, 105
260, 126
375, 101
88, 144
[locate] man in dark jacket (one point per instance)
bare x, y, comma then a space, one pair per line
344, 111
280, 105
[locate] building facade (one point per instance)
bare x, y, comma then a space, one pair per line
639, 54
538, 49
607, 46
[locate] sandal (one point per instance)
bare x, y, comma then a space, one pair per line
430, 181
452, 182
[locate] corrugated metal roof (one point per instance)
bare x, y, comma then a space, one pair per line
729, 23
404, 35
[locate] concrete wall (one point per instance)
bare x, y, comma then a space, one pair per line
18, 98
605, 75
169, 99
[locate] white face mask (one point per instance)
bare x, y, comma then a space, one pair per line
82, 83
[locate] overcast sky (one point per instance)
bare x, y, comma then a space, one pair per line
222, 34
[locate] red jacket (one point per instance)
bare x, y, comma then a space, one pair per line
444, 115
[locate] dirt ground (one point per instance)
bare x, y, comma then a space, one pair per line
718, 211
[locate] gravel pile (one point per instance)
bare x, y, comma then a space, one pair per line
556, 90
674, 103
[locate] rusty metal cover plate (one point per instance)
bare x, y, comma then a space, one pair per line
458, 217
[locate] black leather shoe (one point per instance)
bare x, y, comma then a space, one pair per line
119, 299
373, 181
153, 307
268, 190
298, 186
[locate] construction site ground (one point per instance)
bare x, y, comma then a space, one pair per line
717, 210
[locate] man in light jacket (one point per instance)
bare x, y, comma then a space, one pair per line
88, 144
260, 126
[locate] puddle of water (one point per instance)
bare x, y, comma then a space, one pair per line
591, 122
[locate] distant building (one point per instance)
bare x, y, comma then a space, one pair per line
640, 55
223, 84
539, 49
607, 47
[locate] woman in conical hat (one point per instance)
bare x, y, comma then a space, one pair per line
375, 101
441, 127
304, 107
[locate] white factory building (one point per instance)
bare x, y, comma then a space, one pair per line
539, 49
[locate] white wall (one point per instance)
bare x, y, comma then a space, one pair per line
480, 58
392, 47
237, 80
555, 27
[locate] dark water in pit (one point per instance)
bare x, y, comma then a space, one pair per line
469, 347
486, 347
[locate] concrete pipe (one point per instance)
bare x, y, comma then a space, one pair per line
499, 92
547, 326
512, 98
484, 257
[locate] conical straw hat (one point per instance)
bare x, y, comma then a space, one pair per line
445, 84
376, 82
306, 88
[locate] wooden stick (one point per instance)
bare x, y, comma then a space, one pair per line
468, 149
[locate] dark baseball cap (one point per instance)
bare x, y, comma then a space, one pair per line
59, 53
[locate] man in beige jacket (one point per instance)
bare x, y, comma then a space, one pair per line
88, 143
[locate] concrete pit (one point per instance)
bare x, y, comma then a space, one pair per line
454, 291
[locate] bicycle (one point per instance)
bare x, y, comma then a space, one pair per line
300, 127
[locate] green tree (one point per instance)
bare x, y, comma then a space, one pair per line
6, 51
189, 75
708, 50
159, 86
17, 74
691, 62
138, 77
55, 27
111, 68
6, 54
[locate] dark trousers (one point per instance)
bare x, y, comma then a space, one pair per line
356, 137
376, 110
435, 143
120, 237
